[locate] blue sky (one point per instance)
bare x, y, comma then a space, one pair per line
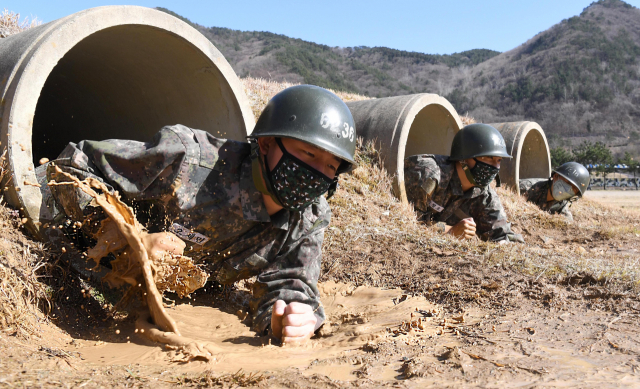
427, 26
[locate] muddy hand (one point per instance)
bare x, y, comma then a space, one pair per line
292, 323
464, 229
160, 244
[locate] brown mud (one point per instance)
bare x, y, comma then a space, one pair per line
372, 338
121, 231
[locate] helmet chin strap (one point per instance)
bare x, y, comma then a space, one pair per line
259, 172
467, 173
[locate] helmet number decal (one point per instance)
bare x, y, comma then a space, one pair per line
348, 132
332, 122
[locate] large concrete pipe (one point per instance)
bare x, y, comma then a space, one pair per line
404, 126
528, 146
109, 72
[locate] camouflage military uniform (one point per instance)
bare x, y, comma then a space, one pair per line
201, 188
448, 202
536, 189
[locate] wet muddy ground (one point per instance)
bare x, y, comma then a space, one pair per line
374, 337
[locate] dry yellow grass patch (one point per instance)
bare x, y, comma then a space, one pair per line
10, 23
260, 91
368, 221
22, 263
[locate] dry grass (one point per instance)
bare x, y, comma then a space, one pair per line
466, 120
22, 262
260, 91
10, 23
370, 226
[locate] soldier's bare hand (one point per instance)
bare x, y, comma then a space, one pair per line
464, 229
162, 243
292, 323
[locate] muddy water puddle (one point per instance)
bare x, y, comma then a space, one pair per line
355, 316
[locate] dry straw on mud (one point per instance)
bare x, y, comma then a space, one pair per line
10, 23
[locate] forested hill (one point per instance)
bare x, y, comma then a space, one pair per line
373, 71
580, 79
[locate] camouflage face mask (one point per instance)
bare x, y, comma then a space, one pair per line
295, 183
481, 174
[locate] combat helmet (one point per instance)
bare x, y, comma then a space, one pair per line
478, 140
313, 115
576, 174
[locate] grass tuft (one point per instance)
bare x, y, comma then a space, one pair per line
10, 23
260, 91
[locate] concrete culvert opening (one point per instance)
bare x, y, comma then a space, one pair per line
406, 125
528, 146
110, 72
431, 132
127, 82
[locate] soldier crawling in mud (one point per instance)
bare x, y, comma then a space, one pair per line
454, 191
241, 209
556, 193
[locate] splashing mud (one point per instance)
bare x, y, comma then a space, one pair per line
121, 234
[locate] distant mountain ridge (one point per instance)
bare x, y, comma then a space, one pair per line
366, 70
580, 79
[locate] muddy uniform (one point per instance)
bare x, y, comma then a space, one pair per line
201, 188
536, 189
437, 175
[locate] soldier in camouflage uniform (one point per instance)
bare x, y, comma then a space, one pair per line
556, 193
454, 191
242, 209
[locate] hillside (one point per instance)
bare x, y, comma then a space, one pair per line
376, 72
579, 79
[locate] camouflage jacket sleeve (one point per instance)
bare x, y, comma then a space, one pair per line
567, 213
421, 178
534, 189
560, 208
490, 217
293, 274
138, 170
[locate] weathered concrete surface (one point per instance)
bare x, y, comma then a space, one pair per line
528, 146
109, 72
406, 125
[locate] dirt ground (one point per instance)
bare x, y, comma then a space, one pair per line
406, 307
375, 340
628, 199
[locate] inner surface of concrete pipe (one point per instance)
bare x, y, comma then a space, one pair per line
406, 125
528, 146
109, 72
